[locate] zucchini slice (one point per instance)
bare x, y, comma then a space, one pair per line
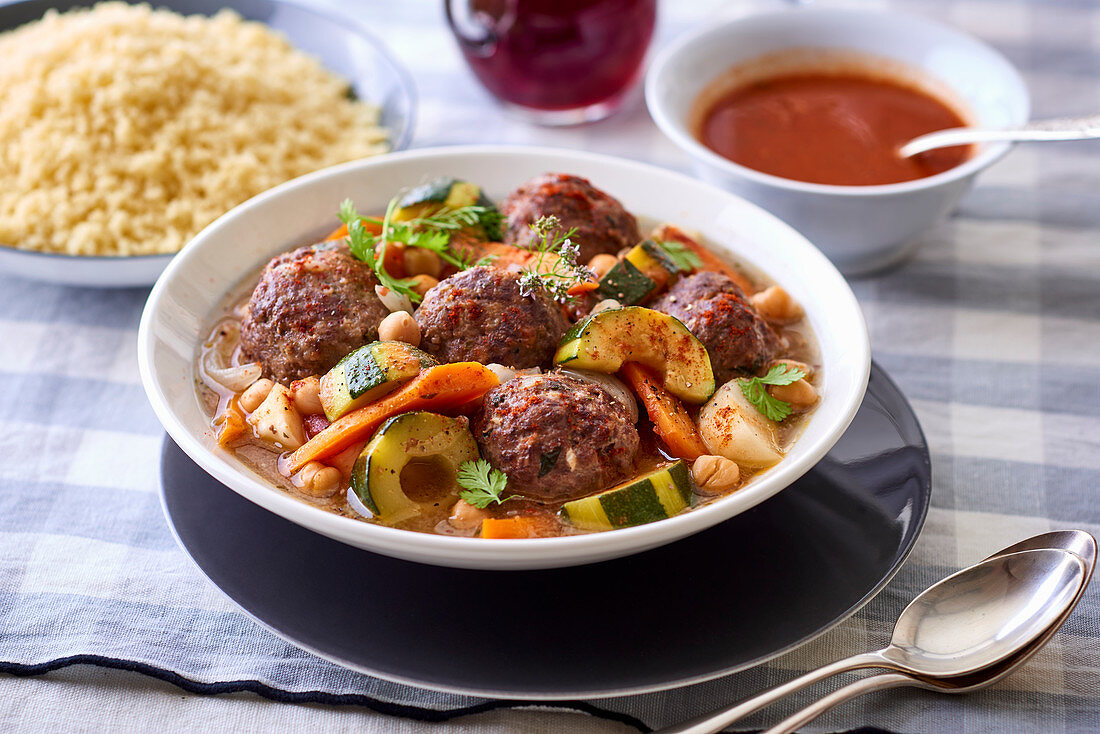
652, 260
626, 284
426, 199
446, 191
654, 496
368, 373
603, 341
420, 435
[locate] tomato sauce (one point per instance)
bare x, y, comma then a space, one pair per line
841, 129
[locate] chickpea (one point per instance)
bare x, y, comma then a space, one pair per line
793, 364
319, 480
465, 516
775, 304
423, 283
400, 327
601, 263
306, 395
255, 394
419, 261
606, 305
715, 475
801, 395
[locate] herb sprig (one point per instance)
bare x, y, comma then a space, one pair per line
561, 273
431, 232
482, 483
682, 255
755, 391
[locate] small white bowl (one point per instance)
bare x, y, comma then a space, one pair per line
860, 228
183, 307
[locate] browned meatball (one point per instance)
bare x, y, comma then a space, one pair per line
556, 436
481, 315
311, 307
716, 311
602, 223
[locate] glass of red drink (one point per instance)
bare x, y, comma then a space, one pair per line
555, 62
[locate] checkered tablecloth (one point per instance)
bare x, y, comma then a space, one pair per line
992, 330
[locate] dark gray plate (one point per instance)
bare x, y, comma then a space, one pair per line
724, 599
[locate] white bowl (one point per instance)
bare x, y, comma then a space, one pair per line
183, 306
860, 228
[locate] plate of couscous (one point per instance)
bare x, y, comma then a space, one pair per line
127, 129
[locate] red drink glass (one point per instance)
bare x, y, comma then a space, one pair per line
555, 62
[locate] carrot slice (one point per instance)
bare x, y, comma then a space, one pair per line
517, 526
671, 421
438, 388
710, 261
342, 231
583, 287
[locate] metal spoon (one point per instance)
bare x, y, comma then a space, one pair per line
1077, 542
1061, 128
970, 621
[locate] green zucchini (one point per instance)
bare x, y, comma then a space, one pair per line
603, 341
652, 259
654, 496
452, 193
626, 284
368, 373
416, 436
446, 191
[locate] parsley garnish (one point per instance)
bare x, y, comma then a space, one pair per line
483, 484
755, 392
682, 255
563, 272
429, 232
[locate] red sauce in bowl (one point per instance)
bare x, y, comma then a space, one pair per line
841, 129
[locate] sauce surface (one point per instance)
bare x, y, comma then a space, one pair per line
841, 129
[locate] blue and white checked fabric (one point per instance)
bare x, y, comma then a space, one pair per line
992, 330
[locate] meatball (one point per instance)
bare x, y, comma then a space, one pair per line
481, 315
311, 307
556, 436
602, 223
716, 311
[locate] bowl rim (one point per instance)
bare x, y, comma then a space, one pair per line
677, 132
483, 553
335, 14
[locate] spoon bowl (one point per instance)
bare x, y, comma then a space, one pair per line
985, 614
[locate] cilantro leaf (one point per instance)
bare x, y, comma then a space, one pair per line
430, 232
754, 390
682, 255
482, 483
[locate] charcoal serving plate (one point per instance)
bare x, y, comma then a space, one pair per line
722, 600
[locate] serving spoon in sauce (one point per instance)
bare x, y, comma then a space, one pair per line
963, 633
1061, 128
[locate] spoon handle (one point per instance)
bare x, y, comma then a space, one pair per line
1061, 128
839, 696
718, 720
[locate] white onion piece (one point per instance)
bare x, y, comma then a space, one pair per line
237, 378
614, 387
503, 373
529, 371
357, 504
607, 304
393, 300
217, 361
